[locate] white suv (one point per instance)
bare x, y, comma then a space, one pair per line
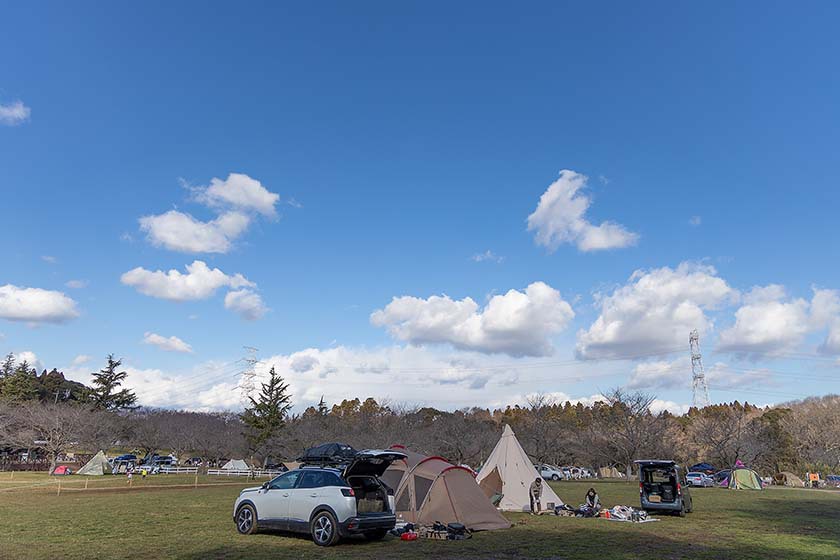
550, 473
326, 502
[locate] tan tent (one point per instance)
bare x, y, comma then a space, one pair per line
788, 479
291, 465
509, 471
429, 489
609, 472
99, 465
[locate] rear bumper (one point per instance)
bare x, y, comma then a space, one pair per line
667, 506
356, 525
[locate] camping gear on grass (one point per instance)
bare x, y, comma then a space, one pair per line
97, 466
509, 471
743, 479
429, 489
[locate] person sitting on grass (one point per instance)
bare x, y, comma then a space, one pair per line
592, 504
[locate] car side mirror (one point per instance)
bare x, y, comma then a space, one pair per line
265, 485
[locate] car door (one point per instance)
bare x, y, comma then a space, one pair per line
306, 496
273, 501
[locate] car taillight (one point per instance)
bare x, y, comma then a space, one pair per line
679, 489
347, 492
641, 488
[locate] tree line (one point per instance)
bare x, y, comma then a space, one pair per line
797, 436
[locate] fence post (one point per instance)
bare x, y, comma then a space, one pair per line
195, 484
59, 488
86, 481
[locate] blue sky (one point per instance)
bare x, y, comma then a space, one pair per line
403, 140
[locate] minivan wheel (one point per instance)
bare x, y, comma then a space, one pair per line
324, 529
555, 478
682, 510
246, 520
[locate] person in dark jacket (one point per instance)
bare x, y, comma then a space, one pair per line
592, 500
535, 493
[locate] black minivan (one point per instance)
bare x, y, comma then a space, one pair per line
662, 487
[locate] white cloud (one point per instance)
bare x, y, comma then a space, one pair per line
654, 312
661, 374
769, 322
29, 357
200, 282
34, 305
677, 374
14, 113
156, 388
171, 344
76, 284
239, 191
81, 359
487, 255
247, 303
695, 221
177, 231
659, 405
516, 323
49, 259
560, 218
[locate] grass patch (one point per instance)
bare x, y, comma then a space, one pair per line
165, 517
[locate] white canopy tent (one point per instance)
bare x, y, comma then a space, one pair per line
509, 471
97, 466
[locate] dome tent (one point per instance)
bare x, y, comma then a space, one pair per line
429, 489
509, 472
786, 478
744, 479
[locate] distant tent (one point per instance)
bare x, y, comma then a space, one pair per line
744, 479
429, 489
291, 465
609, 472
236, 465
61, 470
99, 465
786, 478
509, 472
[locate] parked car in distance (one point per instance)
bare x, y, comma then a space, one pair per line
328, 503
662, 487
699, 479
550, 472
127, 458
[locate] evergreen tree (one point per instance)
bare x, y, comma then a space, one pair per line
7, 368
267, 414
106, 393
21, 385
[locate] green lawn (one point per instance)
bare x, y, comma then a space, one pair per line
186, 522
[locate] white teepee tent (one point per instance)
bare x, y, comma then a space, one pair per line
509, 471
236, 465
97, 466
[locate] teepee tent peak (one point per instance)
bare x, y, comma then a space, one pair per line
98, 465
236, 465
509, 472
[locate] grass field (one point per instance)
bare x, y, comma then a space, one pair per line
166, 517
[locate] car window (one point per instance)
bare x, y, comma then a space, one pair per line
284, 481
320, 479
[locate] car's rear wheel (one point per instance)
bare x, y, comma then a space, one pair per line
324, 529
555, 478
682, 510
377, 535
246, 520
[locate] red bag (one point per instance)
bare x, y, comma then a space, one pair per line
411, 536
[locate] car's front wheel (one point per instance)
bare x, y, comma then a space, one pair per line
246, 520
324, 529
555, 478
